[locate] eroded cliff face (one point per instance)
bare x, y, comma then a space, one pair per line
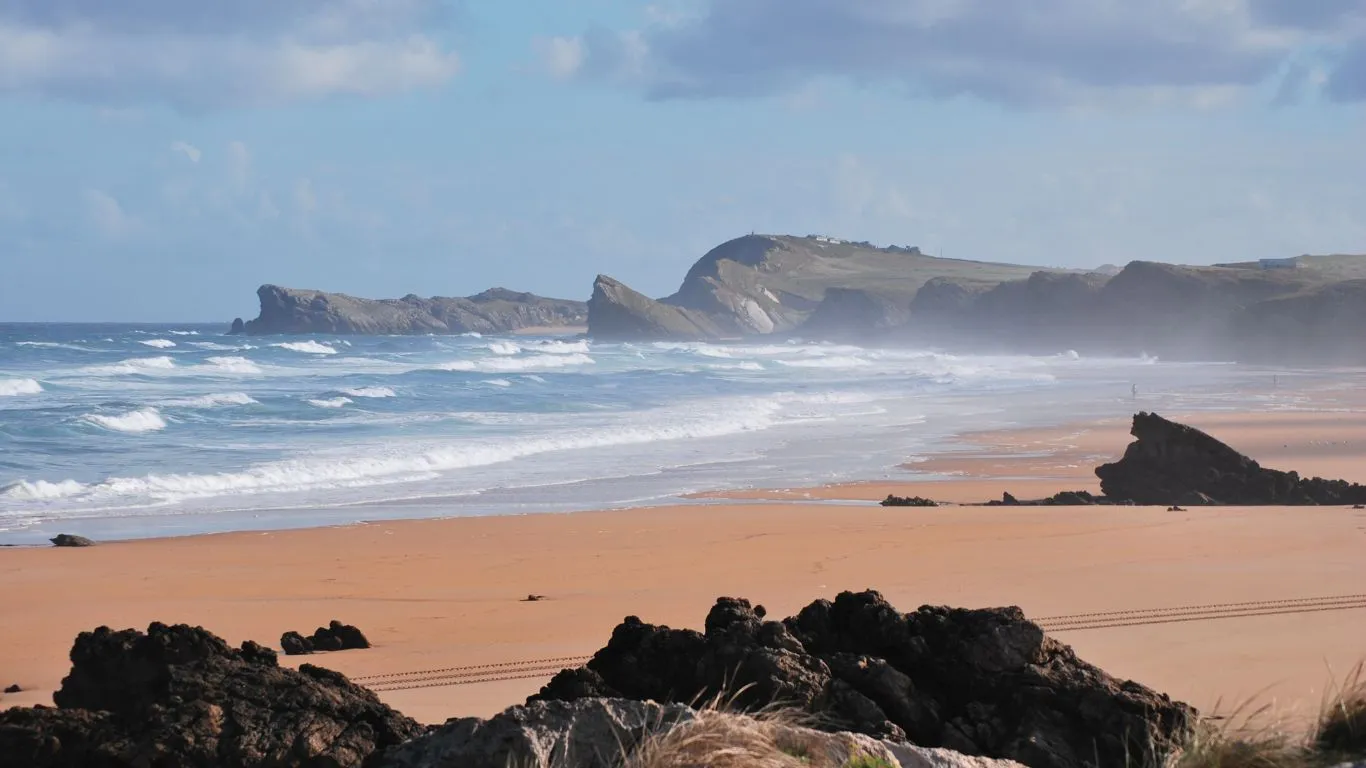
759, 285
292, 310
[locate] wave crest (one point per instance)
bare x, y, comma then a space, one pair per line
309, 347
157, 343
335, 402
16, 387
370, 392
533, 363
133, 422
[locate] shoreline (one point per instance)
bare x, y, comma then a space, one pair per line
439, 593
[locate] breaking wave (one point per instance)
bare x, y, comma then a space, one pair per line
231, 365
504, 348
213, 401
370, 392
145, 420
133, 367
157, 343
16, 387
309, 347
335, 402
533, 363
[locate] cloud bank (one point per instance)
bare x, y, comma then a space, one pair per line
204, 55
1021, 52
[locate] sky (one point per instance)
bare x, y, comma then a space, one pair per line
160, 159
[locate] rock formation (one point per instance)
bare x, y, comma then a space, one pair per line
336, 636
70, 540
984, 682
290, 310
179, 696
760, 284
1174, 464
893, 500
592, 733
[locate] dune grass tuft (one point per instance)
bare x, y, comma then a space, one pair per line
1341, 730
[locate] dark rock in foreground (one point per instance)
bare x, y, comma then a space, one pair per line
14, 689
69, 540
1174, 464
336, 636
180, 696
984, 682
908, 501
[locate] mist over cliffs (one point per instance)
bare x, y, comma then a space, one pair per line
1308, 310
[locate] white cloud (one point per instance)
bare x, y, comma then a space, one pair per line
562, 57
209, 55
107, 215
1038, 53
190, 151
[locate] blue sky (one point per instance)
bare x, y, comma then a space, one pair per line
160, 159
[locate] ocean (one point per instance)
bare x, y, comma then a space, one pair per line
119, 431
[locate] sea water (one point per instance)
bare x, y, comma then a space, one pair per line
132, 431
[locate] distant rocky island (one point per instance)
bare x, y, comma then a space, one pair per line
1304, 310
497, 310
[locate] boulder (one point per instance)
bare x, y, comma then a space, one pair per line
14, 689
180, 696
893, 500
598, 733
1175, 464
984, 682
336, 636
70, 540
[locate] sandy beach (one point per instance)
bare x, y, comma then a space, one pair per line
449, 593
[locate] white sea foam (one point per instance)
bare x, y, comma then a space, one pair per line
16, 387
230, 366
532, 363
535, 378
745, 365
54, 345
376, 466
309, 347
473, 335
144, 420
133, 366
503, 348
213, 401
370, 392
41, 490
214, 346
158, 343
826, 362
499, 382
335, 402
185, 333
562, 347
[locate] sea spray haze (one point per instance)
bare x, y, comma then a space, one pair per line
107, 433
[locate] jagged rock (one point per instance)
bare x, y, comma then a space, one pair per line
1174, 464
893, 500
617, 312
290, 310
14, 689
982, 682
597, 733
238, 327
180, 696
70, 540
762, 284
336, 636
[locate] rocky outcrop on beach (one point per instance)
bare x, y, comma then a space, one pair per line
180, 696
292, 310
336, 636
1175, 464
760, 284
605, 733
979, 682
70, 540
